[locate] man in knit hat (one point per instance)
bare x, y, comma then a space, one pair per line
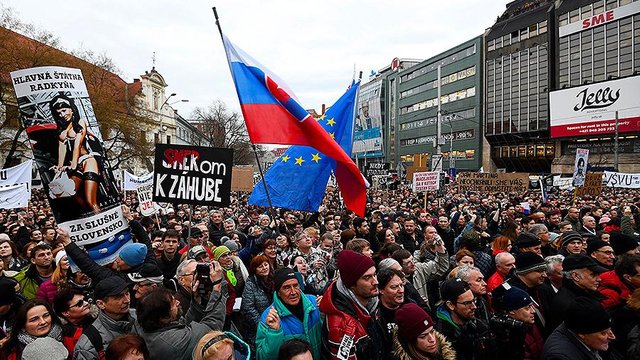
285, 318
514, 326
571, 243
351, 308
585, 333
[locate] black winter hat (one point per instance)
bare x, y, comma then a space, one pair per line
621, 243
586, 316
527, 239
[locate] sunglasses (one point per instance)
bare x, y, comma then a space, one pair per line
79, 304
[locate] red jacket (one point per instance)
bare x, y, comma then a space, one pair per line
348, 329
614, 289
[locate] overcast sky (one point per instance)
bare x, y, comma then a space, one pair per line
312, 45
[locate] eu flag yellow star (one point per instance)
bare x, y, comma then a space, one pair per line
323, 116
315, 157
285, 158
333, 135
331, 122
299, 161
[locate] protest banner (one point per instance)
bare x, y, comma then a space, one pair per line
192, 175
580, 167
19, 174
592, 185
145, 191
622, 180
426, 181
14, 196
373, 169
131, 182
67, 146
493, 182
242, 178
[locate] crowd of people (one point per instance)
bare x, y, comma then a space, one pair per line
420, 276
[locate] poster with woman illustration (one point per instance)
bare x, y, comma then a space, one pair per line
68, 151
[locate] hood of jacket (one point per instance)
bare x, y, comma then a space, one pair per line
335, 303
445, 349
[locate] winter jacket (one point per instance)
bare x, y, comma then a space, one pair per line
445, 350
254, 302
268, 341
429, 271
615, 291
564, 345
108, 329
178, 339
349, 332
633, 341
29, 282
470, 341
47, 291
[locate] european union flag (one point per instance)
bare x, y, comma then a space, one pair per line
297, 180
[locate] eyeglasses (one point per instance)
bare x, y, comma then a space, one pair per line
469, 303
608, 252
79, 304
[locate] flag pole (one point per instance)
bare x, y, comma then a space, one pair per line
264, 183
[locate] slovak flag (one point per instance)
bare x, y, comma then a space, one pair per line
273, 116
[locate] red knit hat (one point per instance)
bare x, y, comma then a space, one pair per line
412, 321
352, 266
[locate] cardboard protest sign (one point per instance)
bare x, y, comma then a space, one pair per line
192, 175
69, 153
592, 185
493, 182
242, 179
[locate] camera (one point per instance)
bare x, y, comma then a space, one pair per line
203, 276
507, 322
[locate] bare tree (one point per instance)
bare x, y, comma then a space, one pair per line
225, 129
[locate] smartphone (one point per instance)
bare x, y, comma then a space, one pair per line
204, 278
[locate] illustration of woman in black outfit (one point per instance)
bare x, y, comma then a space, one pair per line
75, 156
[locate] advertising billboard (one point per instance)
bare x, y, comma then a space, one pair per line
591, 109
367, 134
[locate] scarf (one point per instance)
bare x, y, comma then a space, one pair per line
231, 276
26, 339
371, 305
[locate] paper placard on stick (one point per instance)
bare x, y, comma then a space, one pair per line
192, 175
493, 182
592, 185
426, 181
580, 167
242, 178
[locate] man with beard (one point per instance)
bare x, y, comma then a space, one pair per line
457, 321
167, 333
581, 278
292, 315
350, 305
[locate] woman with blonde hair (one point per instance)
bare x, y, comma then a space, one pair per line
217, 345
47, 290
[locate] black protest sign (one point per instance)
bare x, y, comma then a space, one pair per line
372, 169
192, 175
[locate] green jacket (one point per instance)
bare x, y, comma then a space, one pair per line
29, 282
268, 341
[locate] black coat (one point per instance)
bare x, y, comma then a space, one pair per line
564, 345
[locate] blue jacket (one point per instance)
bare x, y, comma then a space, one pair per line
268, 341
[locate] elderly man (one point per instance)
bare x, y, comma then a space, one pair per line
147, 279
292, 315
541, 231
581, 278
473, 276
170, 335
588, 226
505, 262
529, 242
602, 253
585, 333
